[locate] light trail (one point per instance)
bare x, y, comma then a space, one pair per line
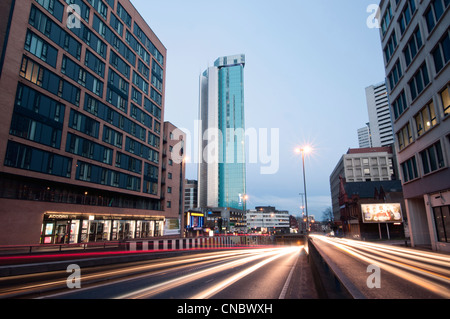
411, 270
159, 288
229, 281
108, 275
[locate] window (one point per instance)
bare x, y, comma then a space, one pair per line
169, 204
169, 175
445, 98
404, 137
432, 158
442, 222
413, 46
83, 124
434, 13
169, 190
390, 47
409, 169
441, 54
419, 81
31, 71
406, 15
395, 75
386, 20
399, 106
425, 119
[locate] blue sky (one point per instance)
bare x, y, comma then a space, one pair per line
307, 66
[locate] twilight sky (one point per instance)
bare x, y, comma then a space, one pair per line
307, 66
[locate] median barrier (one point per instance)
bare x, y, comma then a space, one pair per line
331, 283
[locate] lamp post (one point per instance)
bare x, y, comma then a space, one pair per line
303, 151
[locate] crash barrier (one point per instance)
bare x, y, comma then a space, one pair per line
331, 283
198, 243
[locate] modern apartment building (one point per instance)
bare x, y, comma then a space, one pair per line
82, 86
222, 170
416, 46
380, 123
361, 165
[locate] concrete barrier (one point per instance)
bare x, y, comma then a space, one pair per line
330, 282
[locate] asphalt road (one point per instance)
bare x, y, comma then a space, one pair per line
378, 271
266, 273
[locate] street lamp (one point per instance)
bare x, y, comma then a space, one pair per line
305, 150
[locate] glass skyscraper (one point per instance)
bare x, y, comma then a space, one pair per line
222, 134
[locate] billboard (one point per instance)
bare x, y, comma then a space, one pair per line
381, 213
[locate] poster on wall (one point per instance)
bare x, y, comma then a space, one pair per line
382, 213
171, 226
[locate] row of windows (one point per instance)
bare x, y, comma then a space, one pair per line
415, 42
128, 163
113, 96
45, 25
431, 159
33, 129
41, 48
54, 32
423, 121
49, 81
103, 176
33, 159
17, 187
81, 76
139, 149
433, 13
110, 37
109, 115
85, 148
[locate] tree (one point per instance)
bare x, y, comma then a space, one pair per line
327, 215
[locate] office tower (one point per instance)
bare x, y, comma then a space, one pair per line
361, 165
221, 181
364, 138
416, 45
380, 123
82, 106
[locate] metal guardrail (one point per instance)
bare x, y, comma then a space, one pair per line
48, 248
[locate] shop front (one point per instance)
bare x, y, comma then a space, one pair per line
61, 228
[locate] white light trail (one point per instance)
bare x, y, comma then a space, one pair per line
229, 281
412, 271
176, 282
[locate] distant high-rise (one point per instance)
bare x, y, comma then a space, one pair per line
380, 122
221, 173
364, 138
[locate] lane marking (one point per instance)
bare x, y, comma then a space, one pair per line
289, 278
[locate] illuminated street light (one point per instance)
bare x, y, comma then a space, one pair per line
305, 150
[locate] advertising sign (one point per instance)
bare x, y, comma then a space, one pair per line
382, 213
